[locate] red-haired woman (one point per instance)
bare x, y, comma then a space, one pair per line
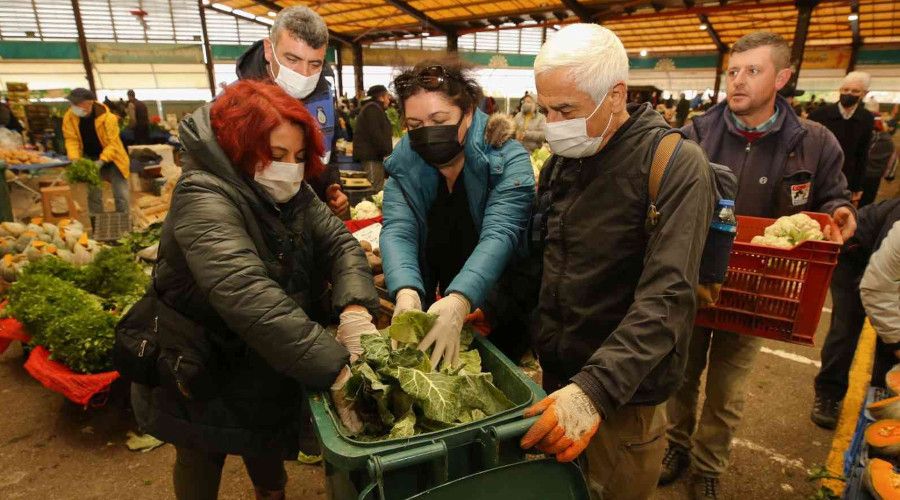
246, 256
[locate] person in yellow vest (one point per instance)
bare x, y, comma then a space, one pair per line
91, 131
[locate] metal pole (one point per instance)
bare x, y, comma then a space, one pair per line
207, 51
719, 61
804, 16
82, 46
339, 63
358, 69
452, 41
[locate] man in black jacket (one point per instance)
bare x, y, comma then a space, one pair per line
852, 124
848, 314
617, 299
372, 137
294, 57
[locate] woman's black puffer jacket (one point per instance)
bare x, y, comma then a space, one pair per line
255, 276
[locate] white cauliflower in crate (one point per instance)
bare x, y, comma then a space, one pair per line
364, 210
789, 231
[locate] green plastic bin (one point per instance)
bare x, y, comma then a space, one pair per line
400, 468
531, 480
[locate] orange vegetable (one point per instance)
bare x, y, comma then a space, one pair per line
883, 437
881, 480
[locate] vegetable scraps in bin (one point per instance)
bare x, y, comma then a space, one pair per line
396, 394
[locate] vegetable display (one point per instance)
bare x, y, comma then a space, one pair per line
886, 408
789, 231
83, 170
72, 311
136, 241
396, 394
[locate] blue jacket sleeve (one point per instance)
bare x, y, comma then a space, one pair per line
399, 242
505, 219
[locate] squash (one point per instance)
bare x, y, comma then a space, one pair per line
50, 228
7, 246
51, 249
64, 222
65, 255
8, 270
83, 240
881, 480
23, 242
14, 228
81, 256
883, 437
37, 229
886, 408
892, 379
37, 220
32, 253
38, 244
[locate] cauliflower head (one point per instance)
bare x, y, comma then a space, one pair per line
364, 210
796, 228
772, 241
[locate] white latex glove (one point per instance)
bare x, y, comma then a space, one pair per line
407, 300
354, 324
349, 417
444, 335
568, 422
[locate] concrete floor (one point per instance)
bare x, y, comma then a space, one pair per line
52, 449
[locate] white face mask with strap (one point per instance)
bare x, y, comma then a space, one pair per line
282, 180
296, 85
570, 139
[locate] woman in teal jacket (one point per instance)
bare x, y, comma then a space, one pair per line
456, 204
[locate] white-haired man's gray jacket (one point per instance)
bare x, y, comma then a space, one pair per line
880, 288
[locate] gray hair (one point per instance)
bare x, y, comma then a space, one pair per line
301, 23
591, 54
860, 77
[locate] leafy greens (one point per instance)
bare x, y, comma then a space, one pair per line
397, 394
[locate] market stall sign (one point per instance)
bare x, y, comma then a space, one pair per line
124, 53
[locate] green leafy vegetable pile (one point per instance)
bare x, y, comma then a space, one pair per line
138, 240
83, 170
68, 321
397, 394
72, 311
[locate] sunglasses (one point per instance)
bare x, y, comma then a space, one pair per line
429, 78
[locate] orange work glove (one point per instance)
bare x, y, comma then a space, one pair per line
568, 423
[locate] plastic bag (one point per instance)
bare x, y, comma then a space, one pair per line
10, 139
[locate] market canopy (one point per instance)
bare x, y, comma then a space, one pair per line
656, 25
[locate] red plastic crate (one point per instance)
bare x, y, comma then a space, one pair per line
773, 292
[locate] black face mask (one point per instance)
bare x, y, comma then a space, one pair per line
849, 100
438, 145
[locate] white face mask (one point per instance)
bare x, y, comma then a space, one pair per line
570, 139
296, 85
79, 111
281, 180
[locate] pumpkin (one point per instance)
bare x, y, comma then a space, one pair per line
8, 270
64, 222
65, 255
881, 480
892, 379
14, 228
38, 244
23, 242
886, 408
32, 253
35, 228
83, 240
7, 245
51, 249
37, 220
49, 228
81, 256
883, 437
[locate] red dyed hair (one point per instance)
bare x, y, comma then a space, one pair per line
247, 112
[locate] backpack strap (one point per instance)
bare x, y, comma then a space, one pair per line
662, 156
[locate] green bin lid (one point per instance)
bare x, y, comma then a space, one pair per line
528, 480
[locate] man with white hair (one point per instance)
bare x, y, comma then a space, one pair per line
853, 125
617, 300
293, 56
